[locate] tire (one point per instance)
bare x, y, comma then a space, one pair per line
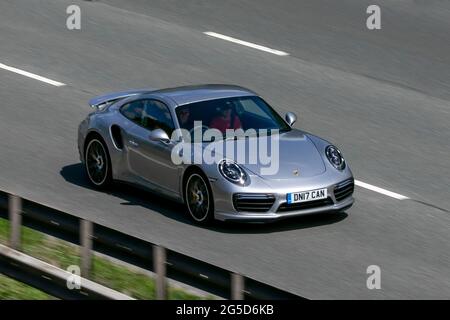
97, 163
198, 198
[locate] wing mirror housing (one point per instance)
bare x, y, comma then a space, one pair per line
159, 135
290, 118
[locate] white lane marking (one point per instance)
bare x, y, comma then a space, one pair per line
247, 44
32, 75
380, 190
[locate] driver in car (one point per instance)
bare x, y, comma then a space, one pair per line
225, 119
184, 117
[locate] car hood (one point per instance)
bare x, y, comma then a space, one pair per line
297, 158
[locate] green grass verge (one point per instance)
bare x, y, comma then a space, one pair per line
11, 289
4, 224
62, 254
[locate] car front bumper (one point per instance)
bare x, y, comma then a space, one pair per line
340, 198
273, 216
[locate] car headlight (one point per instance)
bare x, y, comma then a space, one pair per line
232, 172
335, 157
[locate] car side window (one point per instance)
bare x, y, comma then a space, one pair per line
133, 111
156, 115
248, 105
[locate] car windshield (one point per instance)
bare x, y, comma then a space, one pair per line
249, 112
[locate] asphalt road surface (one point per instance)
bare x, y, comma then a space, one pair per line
382, 96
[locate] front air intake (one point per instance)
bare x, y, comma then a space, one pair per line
344, 189
253, 202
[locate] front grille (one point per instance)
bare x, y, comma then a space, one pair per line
284, 207
344, 189
253, 202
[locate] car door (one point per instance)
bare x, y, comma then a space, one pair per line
148, 159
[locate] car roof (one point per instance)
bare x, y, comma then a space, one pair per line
189, 94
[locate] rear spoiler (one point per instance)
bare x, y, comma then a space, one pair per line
103, 101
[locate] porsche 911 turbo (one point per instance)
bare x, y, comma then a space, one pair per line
130, 137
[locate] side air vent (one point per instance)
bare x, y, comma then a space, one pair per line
116, 135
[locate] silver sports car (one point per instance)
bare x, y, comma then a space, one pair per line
220, 149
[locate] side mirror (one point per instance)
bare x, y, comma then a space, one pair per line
159, 135
290, 118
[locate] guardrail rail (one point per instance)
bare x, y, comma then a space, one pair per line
165, 263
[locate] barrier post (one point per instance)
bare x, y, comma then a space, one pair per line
86, 228
237, 287
159, 265
15, 219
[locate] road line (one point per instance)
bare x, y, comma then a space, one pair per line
247, 44
32, 75
380, 190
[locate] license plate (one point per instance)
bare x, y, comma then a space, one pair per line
306, 196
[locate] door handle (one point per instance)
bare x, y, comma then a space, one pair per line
133, 143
